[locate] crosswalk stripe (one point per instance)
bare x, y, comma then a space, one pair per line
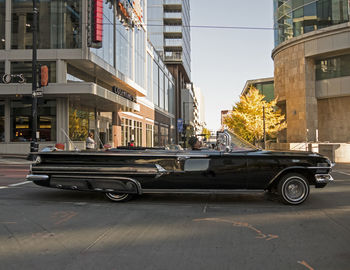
19, 184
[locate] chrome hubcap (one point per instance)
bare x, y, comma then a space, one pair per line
295, 190
117, 197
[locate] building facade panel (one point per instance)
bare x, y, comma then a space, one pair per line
97, 90
311, 61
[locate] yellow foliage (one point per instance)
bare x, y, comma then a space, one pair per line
206, 132
246, 118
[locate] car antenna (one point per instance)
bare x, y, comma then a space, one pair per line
70, 141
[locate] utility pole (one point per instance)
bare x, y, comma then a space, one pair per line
34, 142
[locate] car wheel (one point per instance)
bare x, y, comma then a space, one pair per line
293, 189
118, 197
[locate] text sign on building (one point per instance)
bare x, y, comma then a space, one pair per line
123, 94
98, 20
13, 78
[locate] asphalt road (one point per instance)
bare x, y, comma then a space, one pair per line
42, 228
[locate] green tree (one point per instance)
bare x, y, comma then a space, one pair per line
246, 118
206, 132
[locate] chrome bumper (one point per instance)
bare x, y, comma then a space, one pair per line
323, 178
37, 177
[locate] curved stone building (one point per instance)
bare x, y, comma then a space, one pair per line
312, 69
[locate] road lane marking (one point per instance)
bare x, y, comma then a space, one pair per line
63, 216
15, 184
259, 233
19, 184
305, 264
341, 172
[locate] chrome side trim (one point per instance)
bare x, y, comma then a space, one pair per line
323, 178
37, 177
161, 170
318, 167
137, 183
201, 191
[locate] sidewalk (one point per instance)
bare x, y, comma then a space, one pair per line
14, 160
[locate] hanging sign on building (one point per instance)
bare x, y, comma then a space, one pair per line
13, 78
180, 126
124, 94
98, 20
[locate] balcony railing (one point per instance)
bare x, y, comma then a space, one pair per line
175, 56
173, 29
173, 15
173, 42
173, 2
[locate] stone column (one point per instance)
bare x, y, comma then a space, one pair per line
21, 31
62, 118
311, 101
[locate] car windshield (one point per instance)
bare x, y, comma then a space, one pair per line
239, 144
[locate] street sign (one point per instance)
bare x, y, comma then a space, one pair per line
180, 125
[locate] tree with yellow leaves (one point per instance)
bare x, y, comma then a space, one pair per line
247, 119
206, 133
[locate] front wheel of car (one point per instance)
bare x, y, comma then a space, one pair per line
118, 197
293, 189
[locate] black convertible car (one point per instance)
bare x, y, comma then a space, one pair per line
234, 166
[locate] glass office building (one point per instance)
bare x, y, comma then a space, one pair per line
168, 29
296, 17
112, 88
311, 71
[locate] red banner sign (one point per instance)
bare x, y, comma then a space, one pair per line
98, 20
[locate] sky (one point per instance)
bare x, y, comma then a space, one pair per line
224, 59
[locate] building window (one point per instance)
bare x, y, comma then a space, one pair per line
2, 70
21, 120
155, 83
149, 77
2, 121
124, 49
171, 98
131, 132
149, 135
156, 135
138, 133
334, 67
164, 136
107, 50
2, 24
166, 94
25, 68
59, 24
161, 89
296, 17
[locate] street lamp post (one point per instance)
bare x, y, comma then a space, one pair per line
34, 142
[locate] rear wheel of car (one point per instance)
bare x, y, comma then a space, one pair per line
293, 189
118, 197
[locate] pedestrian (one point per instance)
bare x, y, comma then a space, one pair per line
90, 142
194, 143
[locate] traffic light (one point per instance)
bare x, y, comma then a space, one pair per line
43, 76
